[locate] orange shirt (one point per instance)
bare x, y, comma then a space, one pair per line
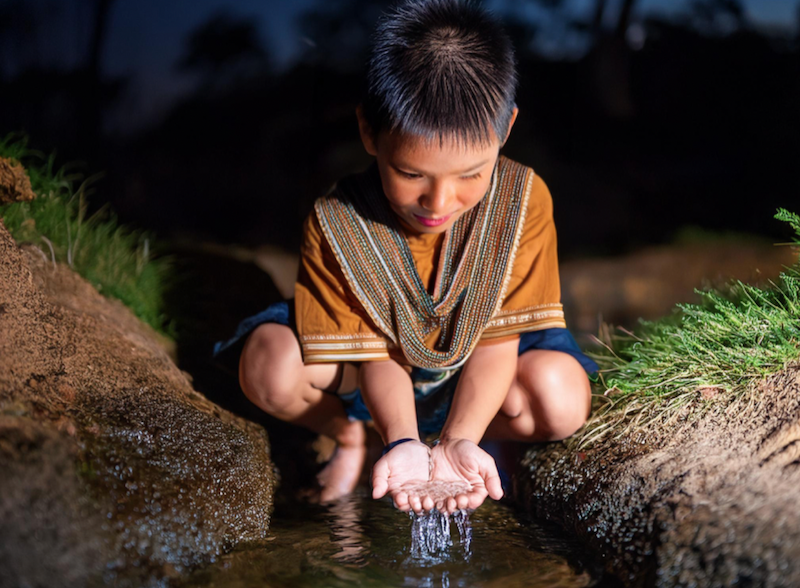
332, 325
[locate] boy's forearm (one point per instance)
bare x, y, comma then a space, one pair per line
389, 395
482, 388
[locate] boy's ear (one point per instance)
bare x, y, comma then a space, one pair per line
511, 122
368, 138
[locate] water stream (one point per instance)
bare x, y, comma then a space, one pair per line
359, 542
432, 538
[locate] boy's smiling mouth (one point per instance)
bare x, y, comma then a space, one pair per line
431, 222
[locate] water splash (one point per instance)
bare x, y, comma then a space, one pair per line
432, 537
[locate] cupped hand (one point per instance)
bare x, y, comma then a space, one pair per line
399, 472
461, 460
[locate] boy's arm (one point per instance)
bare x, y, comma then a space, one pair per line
389, 395
484, 383
482, 388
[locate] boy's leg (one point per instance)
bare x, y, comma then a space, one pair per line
549, 400
273, 376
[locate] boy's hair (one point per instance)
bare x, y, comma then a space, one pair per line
441, 69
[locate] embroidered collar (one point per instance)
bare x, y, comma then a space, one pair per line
439, 330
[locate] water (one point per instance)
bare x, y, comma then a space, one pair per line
432, 540
365, 543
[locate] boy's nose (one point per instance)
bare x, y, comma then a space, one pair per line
438, 198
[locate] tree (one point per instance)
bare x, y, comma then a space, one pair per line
338, 33
595, 24
18, 25
95, 103
224, 50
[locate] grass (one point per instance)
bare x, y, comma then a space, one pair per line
712, 350
118, 261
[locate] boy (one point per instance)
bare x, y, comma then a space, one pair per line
428, 294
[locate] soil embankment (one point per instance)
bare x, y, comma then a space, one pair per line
702, 502
114, 469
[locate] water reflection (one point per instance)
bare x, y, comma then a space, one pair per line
347, 534
365, 543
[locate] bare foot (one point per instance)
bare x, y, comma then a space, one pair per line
340, 477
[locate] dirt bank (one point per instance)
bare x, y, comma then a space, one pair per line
114, 469
15, 186
706, 502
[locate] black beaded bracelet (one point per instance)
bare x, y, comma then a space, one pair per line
394, 444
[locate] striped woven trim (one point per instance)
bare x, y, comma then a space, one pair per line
534, 318
327, 348
512, 257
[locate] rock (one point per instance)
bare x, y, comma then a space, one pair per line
114, 469
15, 186
703, 502
51, 532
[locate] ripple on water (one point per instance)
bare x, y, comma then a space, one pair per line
362, 542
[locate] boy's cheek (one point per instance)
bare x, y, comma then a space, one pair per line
399, 195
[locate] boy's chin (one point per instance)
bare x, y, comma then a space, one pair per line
433, 230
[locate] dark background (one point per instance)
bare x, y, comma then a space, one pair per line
223, 121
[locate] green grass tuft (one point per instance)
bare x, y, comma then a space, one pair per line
713, 349
118, 261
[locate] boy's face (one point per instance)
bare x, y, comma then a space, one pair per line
430, 185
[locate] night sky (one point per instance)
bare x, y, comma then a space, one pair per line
643, 136
146, 37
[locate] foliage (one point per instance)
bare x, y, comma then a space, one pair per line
118, 261
224, 49
715, 348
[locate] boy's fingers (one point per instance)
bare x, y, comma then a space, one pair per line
401, 501
495, 487
427, 503
491, 478
463, 501
380, 479
476, 497
452, 505
379, 488
416, 503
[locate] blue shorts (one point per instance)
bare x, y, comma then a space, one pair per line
433, 390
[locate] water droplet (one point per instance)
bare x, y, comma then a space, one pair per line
432, 538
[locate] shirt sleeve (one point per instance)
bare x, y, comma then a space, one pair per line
331, 325
532, 300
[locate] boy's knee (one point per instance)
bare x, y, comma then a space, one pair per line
560, 394
564, 421
270, 367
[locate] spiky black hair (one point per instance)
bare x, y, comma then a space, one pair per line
441, 69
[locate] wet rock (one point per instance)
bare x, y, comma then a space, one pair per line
114, 469
704, 502
15, 186
50, 532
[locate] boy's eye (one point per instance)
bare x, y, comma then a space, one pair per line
472, 177
409, 175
